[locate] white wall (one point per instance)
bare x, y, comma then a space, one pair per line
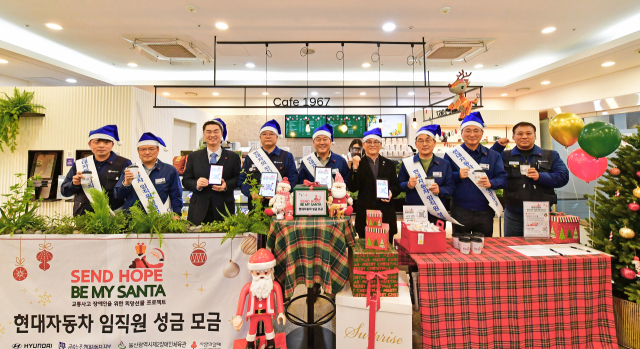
9, 81
182, 139
623, 82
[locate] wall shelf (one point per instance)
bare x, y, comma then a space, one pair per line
25, 115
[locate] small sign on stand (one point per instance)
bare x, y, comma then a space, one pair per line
536, 219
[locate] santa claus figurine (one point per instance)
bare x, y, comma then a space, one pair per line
279, 202
265, 298
339, 201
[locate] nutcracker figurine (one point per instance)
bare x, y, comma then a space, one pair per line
265, 298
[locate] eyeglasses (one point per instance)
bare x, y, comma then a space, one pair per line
427, 141
372, 143
147, 150
468, 131
268, 134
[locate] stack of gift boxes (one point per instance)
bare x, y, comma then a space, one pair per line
374, 263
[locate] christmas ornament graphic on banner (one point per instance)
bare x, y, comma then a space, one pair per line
231, 268
20, 273
199, 254
44, 256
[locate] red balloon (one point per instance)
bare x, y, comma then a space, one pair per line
585, 166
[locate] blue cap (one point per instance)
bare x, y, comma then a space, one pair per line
429, 130
149, 138
109, 132
223, 126
473, 119
324, 130
271, 125
376, 133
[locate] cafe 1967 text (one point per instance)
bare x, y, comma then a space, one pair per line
291, 102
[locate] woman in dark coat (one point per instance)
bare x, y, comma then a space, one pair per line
362, 179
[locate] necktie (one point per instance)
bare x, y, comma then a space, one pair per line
214, 157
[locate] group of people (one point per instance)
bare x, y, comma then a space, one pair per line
469, 174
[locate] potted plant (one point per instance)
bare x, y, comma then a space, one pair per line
18, 213
10, 110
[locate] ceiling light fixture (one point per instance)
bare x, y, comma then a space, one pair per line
192, 94
478, 66
366, 65
314, 93
165, 93
436, 93
548, 30
414, 124
557, 110
307, 128
523, 89
608, 64
132, 65
545, 82
612, 103
222, 25
53, 26
2, 61
265, 93
344, 126
250, 65
71, 81
362, 93
389, 27
216, 94
504, 94
411, 93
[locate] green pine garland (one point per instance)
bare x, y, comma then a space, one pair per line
612, 213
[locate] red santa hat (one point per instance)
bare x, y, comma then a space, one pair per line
338, 178
285, 182
261, 260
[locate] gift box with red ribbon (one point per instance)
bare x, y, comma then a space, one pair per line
564, 229
141, 248
363, 260
376, 237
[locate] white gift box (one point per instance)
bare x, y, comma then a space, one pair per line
393, 320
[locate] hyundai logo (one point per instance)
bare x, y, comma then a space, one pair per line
15, 346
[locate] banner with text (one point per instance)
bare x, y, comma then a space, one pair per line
110, 291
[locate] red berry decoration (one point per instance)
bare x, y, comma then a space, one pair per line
20, 273
634, 207
628, 273
615, 171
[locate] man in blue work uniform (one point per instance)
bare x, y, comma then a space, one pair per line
105, 167
273, 158
432, 165
469, 205
546, 172
323, 156
164, 178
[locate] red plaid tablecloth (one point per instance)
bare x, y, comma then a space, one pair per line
503, 299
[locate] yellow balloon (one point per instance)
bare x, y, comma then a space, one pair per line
564, 128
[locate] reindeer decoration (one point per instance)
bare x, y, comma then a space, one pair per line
460, 102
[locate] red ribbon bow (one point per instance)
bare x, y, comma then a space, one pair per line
310, 184
374, 302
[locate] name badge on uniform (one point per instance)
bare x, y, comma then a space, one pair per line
437, 174
334, 171
160, 181
514, 163
543, 160
484, 166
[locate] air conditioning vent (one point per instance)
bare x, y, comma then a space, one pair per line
449, 53
173, 49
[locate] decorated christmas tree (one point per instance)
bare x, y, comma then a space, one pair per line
615, 214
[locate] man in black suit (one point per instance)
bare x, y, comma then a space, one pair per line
362, 178
208, 201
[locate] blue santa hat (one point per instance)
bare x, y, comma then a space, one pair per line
271, 125
376, 134
149, 138
324, 130
109, 132
223, 126
429, 130
473, 119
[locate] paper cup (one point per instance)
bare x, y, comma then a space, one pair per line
134, 170
429, 181
524, 168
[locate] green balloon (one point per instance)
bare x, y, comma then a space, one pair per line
599, 139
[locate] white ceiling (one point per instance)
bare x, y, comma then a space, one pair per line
91, 47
